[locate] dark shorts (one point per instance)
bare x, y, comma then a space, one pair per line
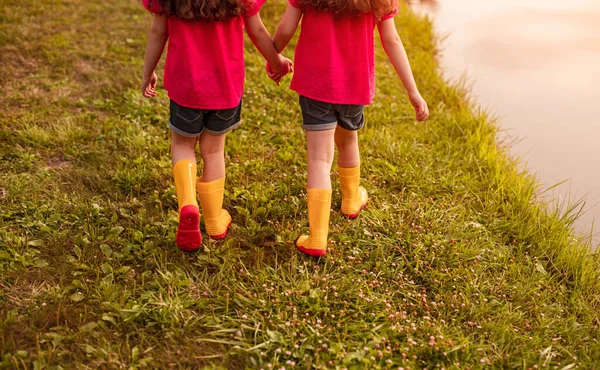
192, 122
318, 115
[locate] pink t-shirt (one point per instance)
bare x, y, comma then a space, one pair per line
205, 60
334, 60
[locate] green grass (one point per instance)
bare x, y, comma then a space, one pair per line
454, 264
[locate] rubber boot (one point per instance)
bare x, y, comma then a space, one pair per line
319, 207
216, 220
354, 197
188, 237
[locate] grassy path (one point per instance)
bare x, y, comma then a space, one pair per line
453, 264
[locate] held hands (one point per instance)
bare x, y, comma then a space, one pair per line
420, 105
276, 73
149, 84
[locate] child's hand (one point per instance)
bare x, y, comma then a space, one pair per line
276, 74
420, 106
149, 84
272, 75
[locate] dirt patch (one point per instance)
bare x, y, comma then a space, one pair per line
57, 164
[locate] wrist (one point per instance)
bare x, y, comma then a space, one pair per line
278, 62
413, 92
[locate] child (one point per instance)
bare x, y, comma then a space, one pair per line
204, 75
334, 75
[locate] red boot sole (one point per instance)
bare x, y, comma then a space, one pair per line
189, 238
221, 236
355, 215
311, 252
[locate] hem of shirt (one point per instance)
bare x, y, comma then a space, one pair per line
389, 16
333, 101
295, 5
204, 107
256, 10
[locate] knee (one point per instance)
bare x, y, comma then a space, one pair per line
212, 145
348, 139
211, 151
183, 141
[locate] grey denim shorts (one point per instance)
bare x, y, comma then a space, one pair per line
319, 116
191, 122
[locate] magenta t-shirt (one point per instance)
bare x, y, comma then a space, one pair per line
205, 60
334, 60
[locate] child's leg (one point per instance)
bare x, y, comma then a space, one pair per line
347, 145
212, 150
211, 186
354, 197
184, 172
320, 145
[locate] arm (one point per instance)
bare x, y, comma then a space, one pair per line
395, 50
287, 27
262, 40
157, 39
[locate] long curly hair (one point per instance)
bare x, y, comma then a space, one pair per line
208, 10
379, 8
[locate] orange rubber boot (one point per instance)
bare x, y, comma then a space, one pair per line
319, 207
188, 237
216, 220
354, 197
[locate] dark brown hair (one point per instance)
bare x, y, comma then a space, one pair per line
378, 8
208, 10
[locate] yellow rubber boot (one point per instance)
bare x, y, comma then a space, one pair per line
319, 207
216, 220
188, 238
354, 197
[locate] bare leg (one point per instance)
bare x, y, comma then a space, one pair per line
183, 148
320, 157
211, 186
212, 149
354, 197
347, 144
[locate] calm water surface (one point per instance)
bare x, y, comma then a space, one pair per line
536, 64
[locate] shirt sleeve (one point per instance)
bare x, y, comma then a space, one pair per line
389, 15
152, 6
255, 8
296, 3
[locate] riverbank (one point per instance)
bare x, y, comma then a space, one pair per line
454, 262
540, 79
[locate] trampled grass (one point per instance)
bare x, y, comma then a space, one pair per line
454, 264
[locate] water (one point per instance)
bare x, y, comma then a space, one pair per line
536, 64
